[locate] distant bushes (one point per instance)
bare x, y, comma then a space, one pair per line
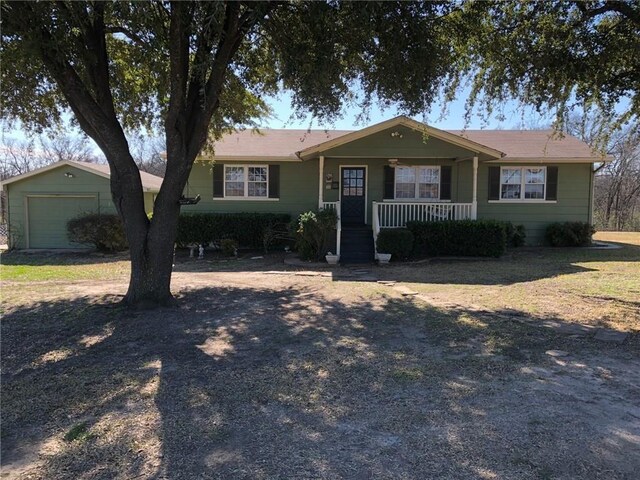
314, 232
396, 241
102, 231
569, 234
251, 230
476, 238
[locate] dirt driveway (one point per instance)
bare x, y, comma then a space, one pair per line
282, 375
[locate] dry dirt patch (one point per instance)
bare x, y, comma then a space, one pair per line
285, 376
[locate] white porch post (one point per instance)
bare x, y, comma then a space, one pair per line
474, 200
320, 180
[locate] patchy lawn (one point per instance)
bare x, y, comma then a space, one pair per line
265, 373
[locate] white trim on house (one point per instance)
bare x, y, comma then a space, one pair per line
320, 181
530, 160
245, 199
528, 200
416, 190
523, 185
246, 182
366, 187
249, 158
402, 120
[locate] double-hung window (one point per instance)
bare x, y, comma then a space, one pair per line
243, 181
417, 183
523, 183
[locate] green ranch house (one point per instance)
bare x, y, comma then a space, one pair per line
399, 170
378, 177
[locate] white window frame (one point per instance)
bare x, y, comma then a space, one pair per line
523, 184
245, 180
416, 192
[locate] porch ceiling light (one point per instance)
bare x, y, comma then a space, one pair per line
393, 161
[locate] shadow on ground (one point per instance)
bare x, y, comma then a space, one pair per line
262, 383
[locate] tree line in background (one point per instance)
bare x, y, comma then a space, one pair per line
616, 183
20, 156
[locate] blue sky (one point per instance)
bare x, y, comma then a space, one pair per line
516, 117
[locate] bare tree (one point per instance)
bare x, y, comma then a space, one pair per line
617, 184
18, 157
147, 151
56, 147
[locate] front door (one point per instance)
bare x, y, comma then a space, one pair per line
352, 202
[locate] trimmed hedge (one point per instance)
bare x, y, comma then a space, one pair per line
569, 234
396, 241
104, 232
474, 238
247, 229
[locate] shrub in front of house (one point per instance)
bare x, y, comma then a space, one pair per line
569, 234
314, 232
104, 232
247, 229
473, 238
396, 241
516, 234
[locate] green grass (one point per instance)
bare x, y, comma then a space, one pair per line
79, 432
20, 267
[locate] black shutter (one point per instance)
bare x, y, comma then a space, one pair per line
218, 180
494, 183
552, 183
274, 181
445, 182
389, 182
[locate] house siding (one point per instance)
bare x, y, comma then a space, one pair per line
375, 176
55, 184
299, 182
298, 190
411, 144
573, 204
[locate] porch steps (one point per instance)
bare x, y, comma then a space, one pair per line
356, 244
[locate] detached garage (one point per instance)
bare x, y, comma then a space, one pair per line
40, 203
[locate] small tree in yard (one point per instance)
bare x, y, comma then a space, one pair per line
195, 69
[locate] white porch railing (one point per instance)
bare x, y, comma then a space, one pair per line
330, 206
335, 206
397, 214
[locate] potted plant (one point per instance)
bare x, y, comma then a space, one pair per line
383, 258
331, 258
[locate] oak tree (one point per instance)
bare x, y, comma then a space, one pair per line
194, 69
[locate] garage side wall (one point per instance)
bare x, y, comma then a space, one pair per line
54, 184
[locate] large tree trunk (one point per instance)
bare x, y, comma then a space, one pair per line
151, 268
151, 242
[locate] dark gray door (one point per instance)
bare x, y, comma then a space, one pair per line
353, 195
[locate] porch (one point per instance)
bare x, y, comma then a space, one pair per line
397, 214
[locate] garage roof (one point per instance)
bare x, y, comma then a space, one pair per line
150, 183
